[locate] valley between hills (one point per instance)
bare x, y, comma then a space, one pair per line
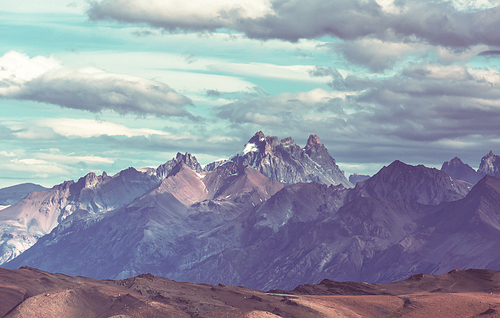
275, 217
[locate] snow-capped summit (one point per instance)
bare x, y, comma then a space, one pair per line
288, 163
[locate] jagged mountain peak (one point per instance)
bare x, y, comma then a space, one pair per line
490, 164
461, 171
259, 137
288, 163
313, 141
163, 170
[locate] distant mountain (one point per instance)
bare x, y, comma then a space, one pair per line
235, 226
490, 165
211, 166
286, 162
400, 181
23, 223
149, 234
461, 171
355, 178
163, 170
13, 194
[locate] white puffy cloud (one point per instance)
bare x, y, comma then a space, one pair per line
46, 80
7, 154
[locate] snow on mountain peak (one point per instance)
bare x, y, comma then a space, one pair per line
250, 147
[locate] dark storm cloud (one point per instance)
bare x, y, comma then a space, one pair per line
435, 22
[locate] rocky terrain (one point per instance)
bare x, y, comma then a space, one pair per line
401, 181
285, 161
28, 292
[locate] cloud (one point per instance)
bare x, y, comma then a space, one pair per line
86, 128
45, 80
284, 109
7, 154
266, 70
490, 53
375, 54
179, 15
439, 23
424, 111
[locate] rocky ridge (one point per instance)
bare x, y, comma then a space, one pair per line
288, 163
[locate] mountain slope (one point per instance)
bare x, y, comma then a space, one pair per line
13, 194
285, 161
399, 181
147, 235
23, 223
490, 165
461, 171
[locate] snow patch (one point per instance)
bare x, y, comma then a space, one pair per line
201, 176
250, 147
4, 207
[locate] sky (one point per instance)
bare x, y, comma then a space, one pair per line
93, 86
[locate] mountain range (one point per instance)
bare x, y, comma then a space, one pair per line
273, 216
490, 165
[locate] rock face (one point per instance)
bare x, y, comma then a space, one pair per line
286, 162
490, 165
355, 178
190, 160
461, 171
424, 185
13, 194
211, 166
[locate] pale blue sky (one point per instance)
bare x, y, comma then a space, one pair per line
101, 86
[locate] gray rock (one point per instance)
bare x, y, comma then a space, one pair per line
286, 162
